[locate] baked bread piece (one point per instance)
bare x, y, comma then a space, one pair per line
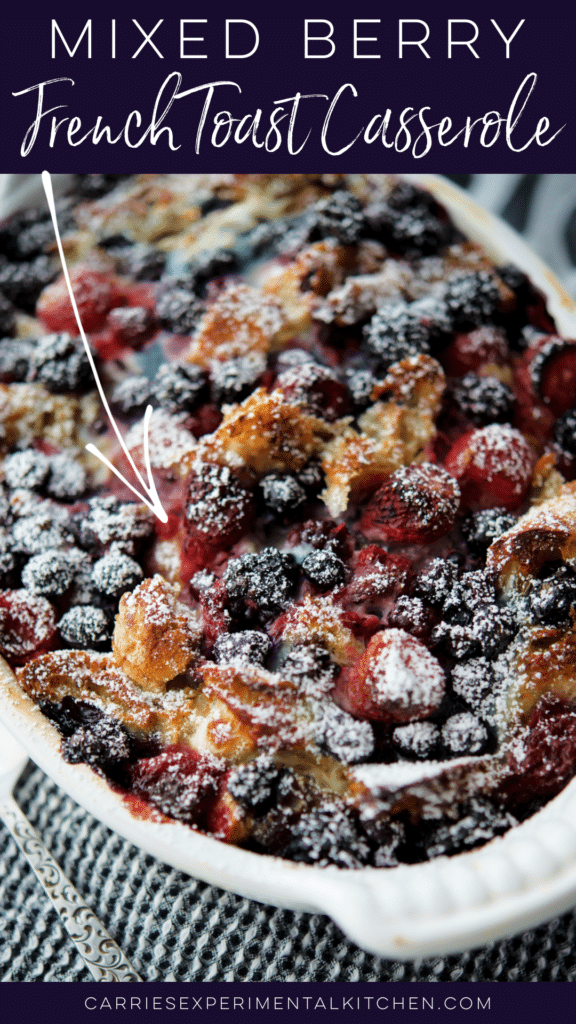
352, 641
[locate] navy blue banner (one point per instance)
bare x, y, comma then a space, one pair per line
480, 1003
278, 87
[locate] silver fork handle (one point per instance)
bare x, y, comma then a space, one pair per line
97, 948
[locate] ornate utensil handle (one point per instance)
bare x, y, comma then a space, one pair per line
97, 948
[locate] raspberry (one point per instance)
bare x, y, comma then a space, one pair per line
471, 298
179, 309
253, 785
324, 569
464, 734
328, 835
480, 820
348, 739
396, 331
49, 573
104, 744
543, 760
179, 388
552, 372
60, 363
493, 466
481, 529
234, 379
246, 648
130, 325
267, 580
27, 625
376, 574
28, 469
84, 627
483, 400
316, 387
115, 573
395, 680
311, 668
416, 505
179, 782
132, 394
218, 511
95, 295
324, 535
469, 352
339, 217
282, 493
417, 739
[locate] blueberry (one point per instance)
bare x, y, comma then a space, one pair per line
67, 479
311, 668
115, 573
551, 599
266, 579
84, 627
324, 569
346, 738
464, 734
253, 785
481, 529
282, 493
247, 647
50, 573
417, 739
436, 580
28, 469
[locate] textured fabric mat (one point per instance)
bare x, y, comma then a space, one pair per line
174, 928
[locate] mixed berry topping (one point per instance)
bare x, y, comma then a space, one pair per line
351, 643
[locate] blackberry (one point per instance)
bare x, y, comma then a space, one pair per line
67, 479
143, 263
282, 493
116, 573
116, 243
473, 681
60, 363
84, 627
564, 430
360, 384
494, 628
32, 240
15, 355
348, 739
248, 648
464, 734
311, 668
481, 529
94, 186
234, 379
552, 599
412, 615
267, 580
339, 217
212, 263
395, 332
132, 323
179, 310
328, 835
108, 520
404, 196
49, 573
104, 744
179, 388
436, 580
7, 318
132, 394
417, 739
253, 785
27, 469
458, 640
414, 232
483, 400
324, 569
479, 821
22, 283
311, 476
516, 280
471, 298
472, 591
68, 715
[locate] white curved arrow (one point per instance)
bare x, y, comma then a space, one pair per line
152, 500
